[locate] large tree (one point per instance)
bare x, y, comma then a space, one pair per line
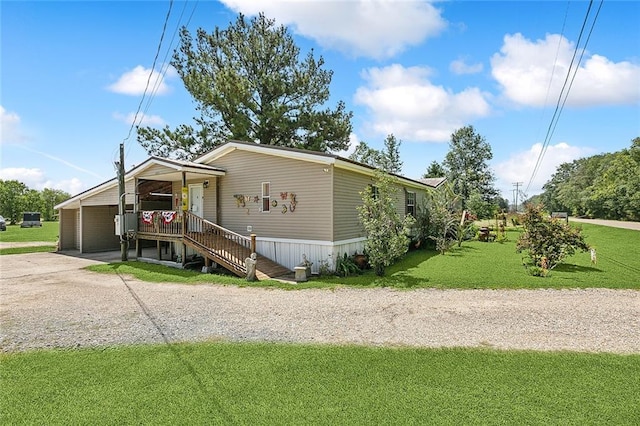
387, 159
12, 203
467, 166
435, 170
249, 83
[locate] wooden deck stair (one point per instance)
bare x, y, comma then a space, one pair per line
265, 267
228, 249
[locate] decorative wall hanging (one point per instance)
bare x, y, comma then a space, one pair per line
284, 195
284, 208
292, 204
168, 216
274, 203
147, 217
239, 200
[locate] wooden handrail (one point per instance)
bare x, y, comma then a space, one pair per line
222, 244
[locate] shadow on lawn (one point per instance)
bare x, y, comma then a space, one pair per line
459, 251
564, 267
400, 276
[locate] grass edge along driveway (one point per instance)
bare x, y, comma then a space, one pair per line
475, 265
263, 383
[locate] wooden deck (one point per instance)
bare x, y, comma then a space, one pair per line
213, 242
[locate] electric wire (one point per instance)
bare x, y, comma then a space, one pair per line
165, 64
626, 266
556, 114
580, 60
562, 98
555, 61
153, 66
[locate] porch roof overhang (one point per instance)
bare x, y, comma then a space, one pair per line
155, 168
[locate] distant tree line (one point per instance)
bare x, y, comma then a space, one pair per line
16, 198
604, 186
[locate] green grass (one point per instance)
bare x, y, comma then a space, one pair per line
47, 232
474, 265
154, 273
223, 383
23, 250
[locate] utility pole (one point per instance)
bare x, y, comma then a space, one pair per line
122, 205
517, 185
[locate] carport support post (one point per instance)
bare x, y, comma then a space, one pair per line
122, 204
184, 221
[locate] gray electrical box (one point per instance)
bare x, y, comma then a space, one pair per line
129, 224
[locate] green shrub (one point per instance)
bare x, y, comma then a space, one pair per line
346, 266
548, 241
387, 232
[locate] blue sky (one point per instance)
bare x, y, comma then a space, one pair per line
73, 74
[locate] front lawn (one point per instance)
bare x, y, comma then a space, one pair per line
474, 265
47, 232
223, 383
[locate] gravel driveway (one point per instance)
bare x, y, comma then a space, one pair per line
46, 301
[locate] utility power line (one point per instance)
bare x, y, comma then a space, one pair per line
515, 194
153, 66
562, 97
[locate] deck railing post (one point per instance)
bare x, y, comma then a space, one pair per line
253, 243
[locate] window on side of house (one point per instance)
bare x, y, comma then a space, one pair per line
411, 203
374, 192
266, 198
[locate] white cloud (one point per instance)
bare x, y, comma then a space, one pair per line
134, 82
35, 178
377, 29
524, 69
10, 130
459, 66
143, 120
404, 102
520, 165
73, 186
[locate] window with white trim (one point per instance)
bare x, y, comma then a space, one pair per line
411, 203
266, 198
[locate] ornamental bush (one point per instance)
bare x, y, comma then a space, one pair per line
548, 241
387, 232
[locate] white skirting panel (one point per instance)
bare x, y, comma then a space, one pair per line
289, 252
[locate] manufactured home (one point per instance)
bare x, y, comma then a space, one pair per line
239, 198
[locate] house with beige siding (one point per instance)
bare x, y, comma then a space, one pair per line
239, 198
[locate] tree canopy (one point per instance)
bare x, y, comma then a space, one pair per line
17, 198
435, 170
466, 164
249, 83
387, 159
605, 186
